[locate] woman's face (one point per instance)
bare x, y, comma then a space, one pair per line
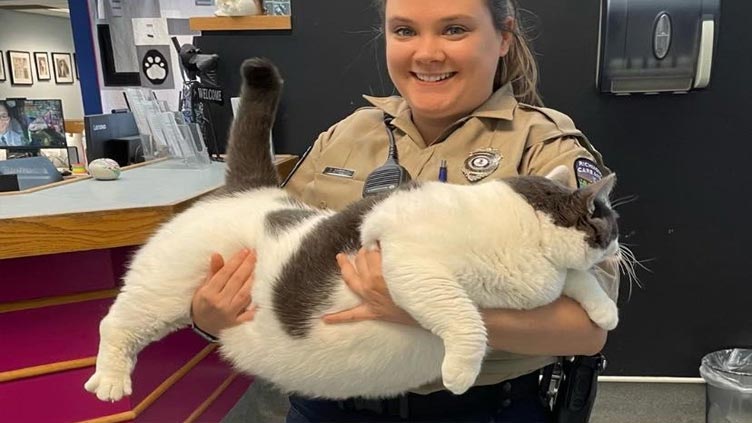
442, 54
4, 119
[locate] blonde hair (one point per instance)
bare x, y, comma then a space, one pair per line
518, 66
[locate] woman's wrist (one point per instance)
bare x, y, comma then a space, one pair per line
204, 334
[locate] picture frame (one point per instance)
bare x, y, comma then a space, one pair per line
42, 64
2, 67
20, 67
62, 65
111, 77
75, 66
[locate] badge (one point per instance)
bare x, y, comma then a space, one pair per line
587, 172
481, 163
338, 171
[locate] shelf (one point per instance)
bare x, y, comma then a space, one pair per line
240, 23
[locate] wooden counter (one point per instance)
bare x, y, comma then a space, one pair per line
91, 214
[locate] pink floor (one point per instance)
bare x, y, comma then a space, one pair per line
51, 334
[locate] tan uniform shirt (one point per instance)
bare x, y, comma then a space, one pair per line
530, 140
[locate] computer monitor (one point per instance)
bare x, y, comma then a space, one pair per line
31, 124
114, 136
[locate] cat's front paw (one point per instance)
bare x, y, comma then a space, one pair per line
605, 314
459, 375
109, 386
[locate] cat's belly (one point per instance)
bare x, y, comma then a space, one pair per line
370, 359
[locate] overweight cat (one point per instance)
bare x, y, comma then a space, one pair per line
448, 250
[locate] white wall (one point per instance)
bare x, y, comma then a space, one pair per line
31, 32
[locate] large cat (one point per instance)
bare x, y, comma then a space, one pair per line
448, 250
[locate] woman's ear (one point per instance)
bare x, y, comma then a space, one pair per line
507, 36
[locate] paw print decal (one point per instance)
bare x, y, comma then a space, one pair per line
155, 67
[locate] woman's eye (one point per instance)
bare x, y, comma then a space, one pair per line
455, 30
404, 32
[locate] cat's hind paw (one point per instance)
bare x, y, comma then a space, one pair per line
109, 386
605, 314
458, 377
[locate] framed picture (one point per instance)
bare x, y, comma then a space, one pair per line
2, 67
20, 67
62, 64
42, 62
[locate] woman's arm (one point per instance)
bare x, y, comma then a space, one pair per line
559, 328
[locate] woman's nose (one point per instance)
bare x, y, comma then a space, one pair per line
429, 49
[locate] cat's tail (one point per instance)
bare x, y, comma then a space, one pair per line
249, 160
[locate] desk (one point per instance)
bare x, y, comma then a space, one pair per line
90, 214
62, 254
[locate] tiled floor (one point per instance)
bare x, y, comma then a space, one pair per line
649, 403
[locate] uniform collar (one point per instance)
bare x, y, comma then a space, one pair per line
500, 105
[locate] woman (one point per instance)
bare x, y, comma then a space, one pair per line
468, 99
10, 133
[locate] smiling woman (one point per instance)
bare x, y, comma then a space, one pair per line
442, 59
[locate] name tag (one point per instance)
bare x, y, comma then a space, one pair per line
338, 171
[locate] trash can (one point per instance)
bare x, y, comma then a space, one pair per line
728, 377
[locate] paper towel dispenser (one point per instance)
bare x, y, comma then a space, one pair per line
651, 46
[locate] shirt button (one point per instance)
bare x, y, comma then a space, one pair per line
507, 387
322, 204
506, 403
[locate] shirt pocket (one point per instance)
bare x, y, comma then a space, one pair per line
333, 192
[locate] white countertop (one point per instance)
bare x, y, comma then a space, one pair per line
157, 184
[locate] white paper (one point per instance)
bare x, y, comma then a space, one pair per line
150, 31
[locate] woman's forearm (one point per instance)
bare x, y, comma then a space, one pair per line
559, 328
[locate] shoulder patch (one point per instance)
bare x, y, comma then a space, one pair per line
587, 172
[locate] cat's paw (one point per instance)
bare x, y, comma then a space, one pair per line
109, 386
459, 376
605, 314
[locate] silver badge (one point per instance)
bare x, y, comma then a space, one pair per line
481, 163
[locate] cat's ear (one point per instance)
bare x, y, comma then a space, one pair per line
598, 191
560, 174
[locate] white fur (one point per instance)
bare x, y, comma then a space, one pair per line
237, 8
447, 250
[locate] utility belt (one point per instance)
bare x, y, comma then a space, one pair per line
567, 388
443, 405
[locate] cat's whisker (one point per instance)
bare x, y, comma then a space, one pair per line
618, 202
627, 264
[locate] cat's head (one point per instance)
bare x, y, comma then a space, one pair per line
587, 209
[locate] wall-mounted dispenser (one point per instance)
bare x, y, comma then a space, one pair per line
651, 46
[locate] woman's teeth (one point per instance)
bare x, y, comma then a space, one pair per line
426, 77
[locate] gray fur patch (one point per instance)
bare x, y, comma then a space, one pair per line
249, 161
567, 208
310, 276
279, 221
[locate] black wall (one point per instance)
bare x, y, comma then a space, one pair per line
685, 156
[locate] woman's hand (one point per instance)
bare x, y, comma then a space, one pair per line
222, 300
366, 281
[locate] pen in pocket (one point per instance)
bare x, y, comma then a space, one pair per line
443, 171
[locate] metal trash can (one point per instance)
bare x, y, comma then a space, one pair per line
728, 377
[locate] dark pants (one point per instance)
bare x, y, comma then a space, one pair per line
513, 401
